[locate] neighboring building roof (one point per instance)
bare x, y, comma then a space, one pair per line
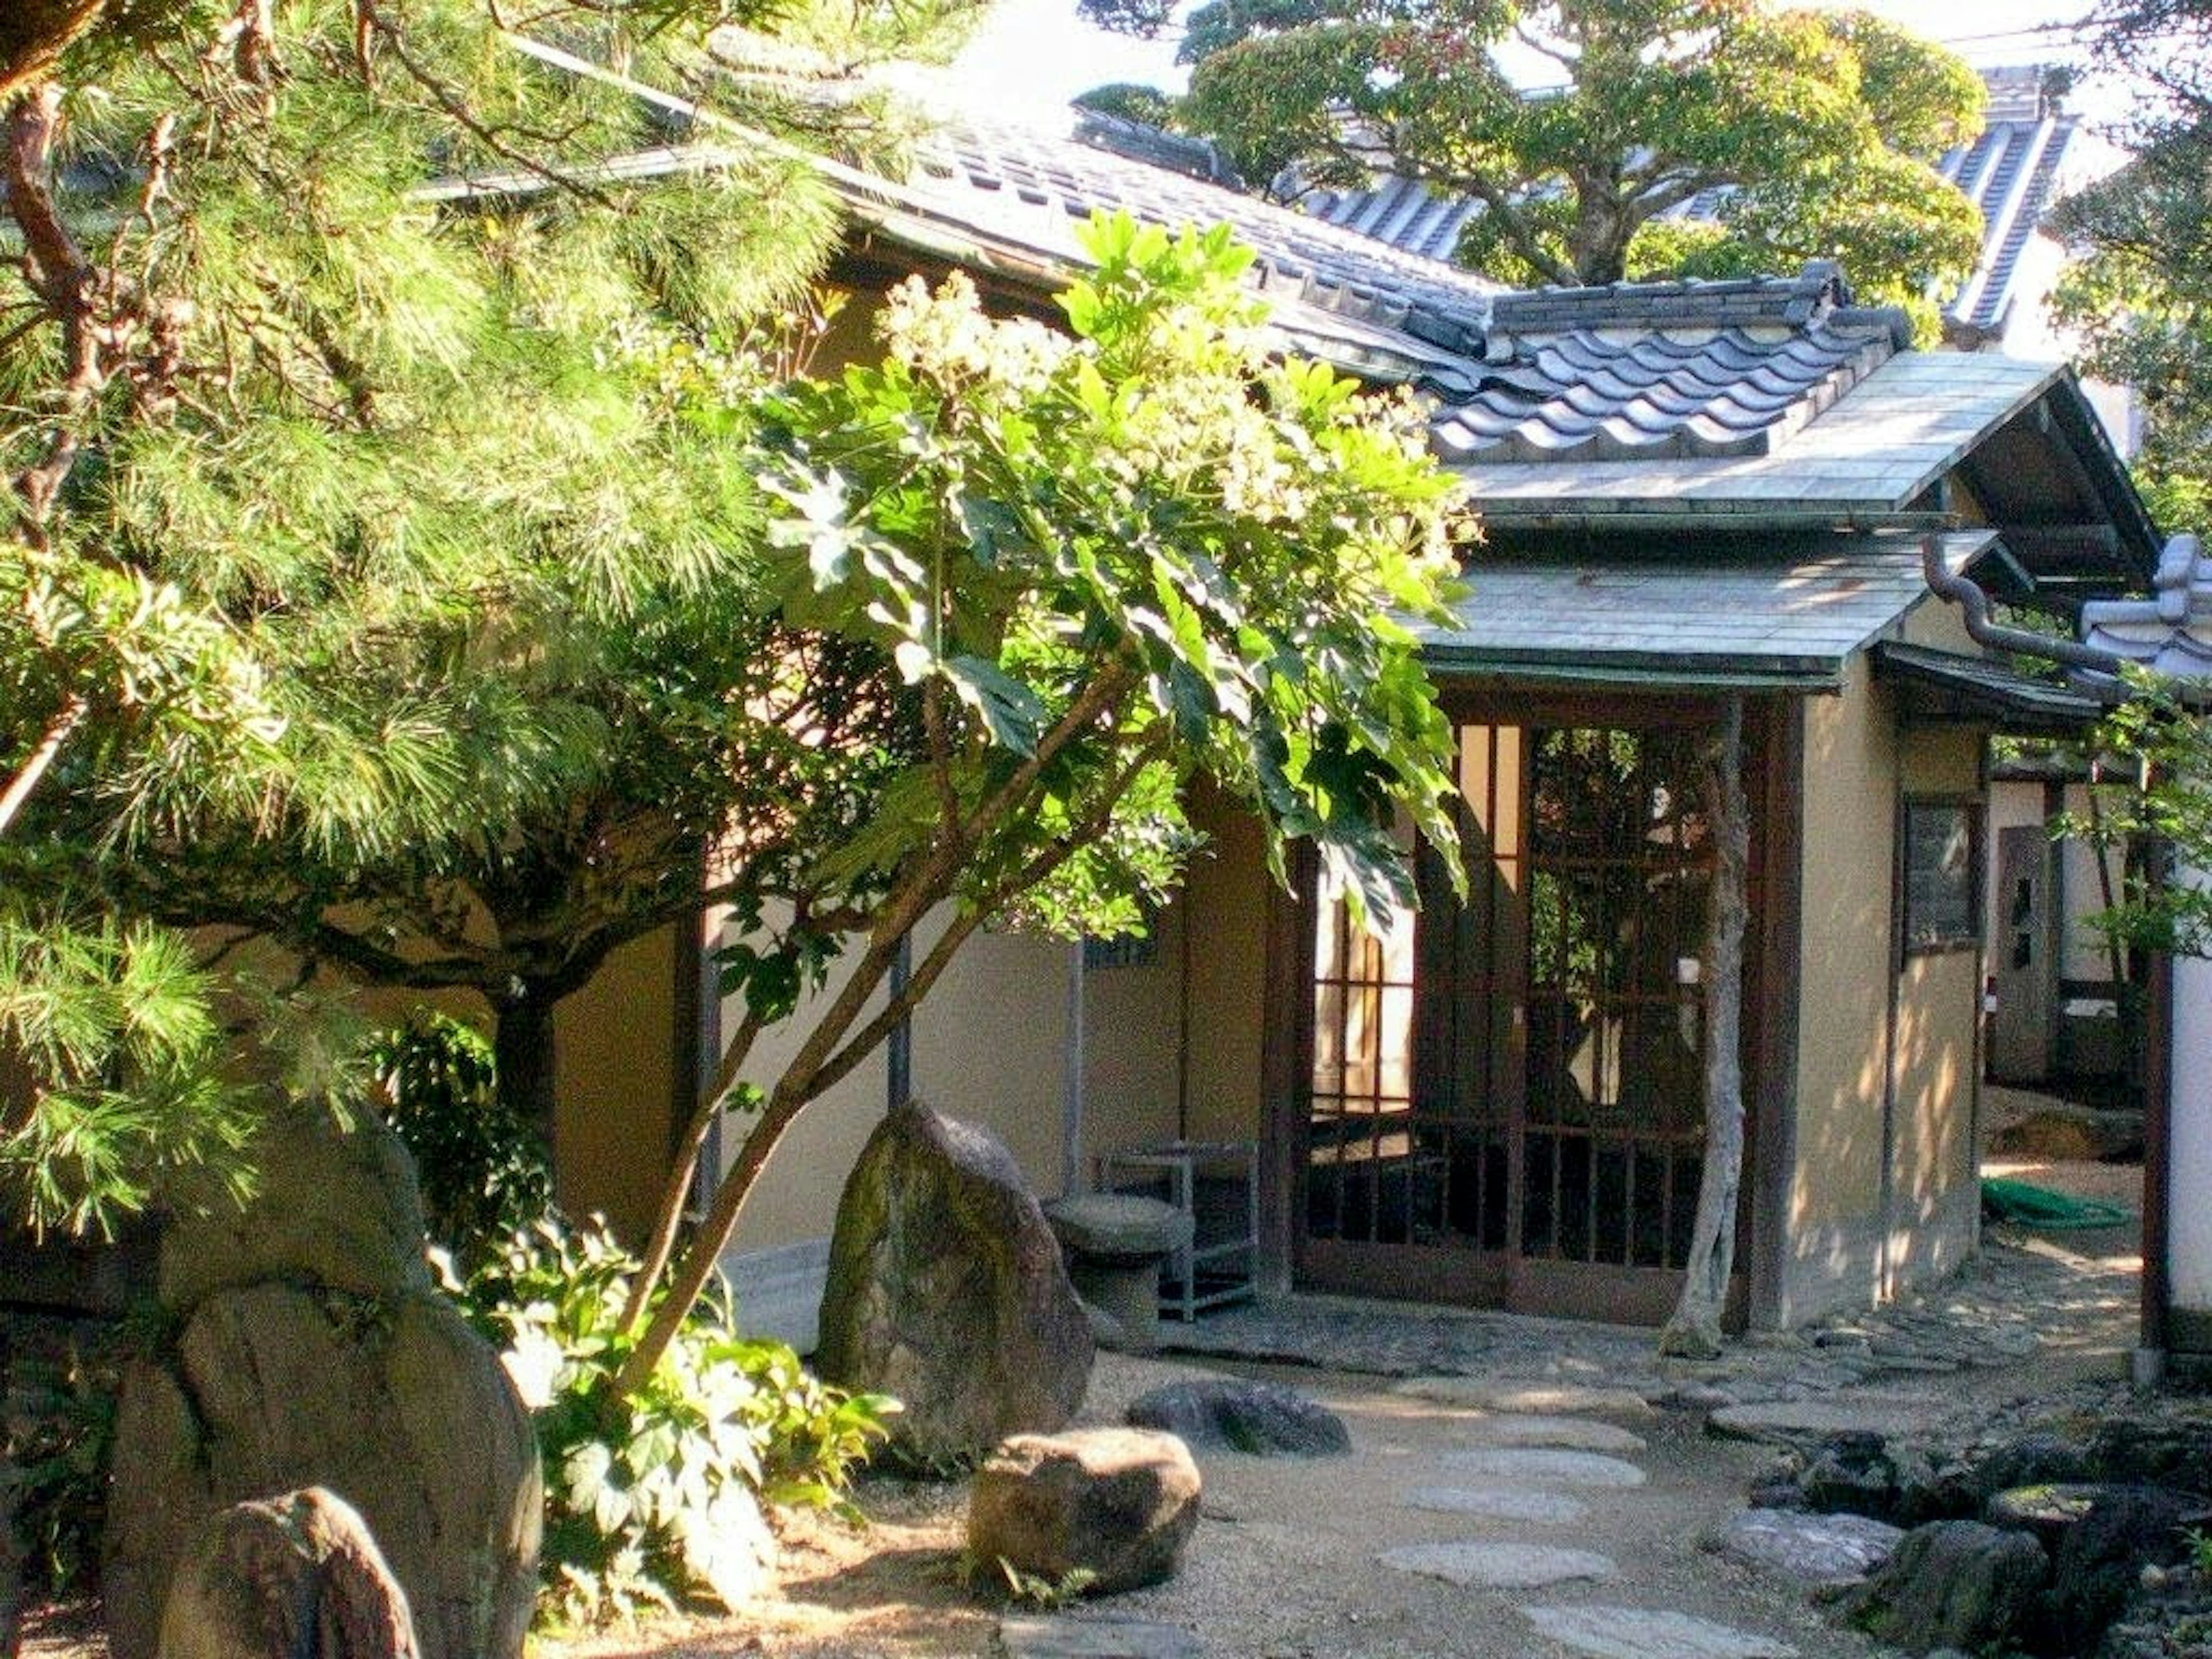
2171, 632
2010, 173
1686, 615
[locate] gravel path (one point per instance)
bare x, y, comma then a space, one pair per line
1477, 1445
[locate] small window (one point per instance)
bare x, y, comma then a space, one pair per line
1941, 866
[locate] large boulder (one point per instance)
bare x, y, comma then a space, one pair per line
296, 1577
346, 1372
1952, 1584
1116, 1504
2100, 1559
946, 1290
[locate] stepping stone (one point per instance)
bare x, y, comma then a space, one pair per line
1499, 1567
1786, 1422
1562, 1433
1499, 1503
1815, 1549
1032, 1637
1539, 1466
1261, 1420
1524, 1396
1647, 1633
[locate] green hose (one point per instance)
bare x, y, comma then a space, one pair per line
2038, 1206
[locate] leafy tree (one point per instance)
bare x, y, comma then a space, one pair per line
457, 438
1101, 564
458, 489
2139, 296
1659, 102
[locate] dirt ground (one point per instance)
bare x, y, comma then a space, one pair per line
1284, 1564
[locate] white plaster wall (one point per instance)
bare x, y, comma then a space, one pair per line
2189, 1146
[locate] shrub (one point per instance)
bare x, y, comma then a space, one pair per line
482, 1166
53, 1458
656, 1499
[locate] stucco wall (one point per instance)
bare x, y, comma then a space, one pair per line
614, 1068
1227, 903
1858, 764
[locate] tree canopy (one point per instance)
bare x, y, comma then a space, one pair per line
1817, 132
375, 539
2139, 295
538, 597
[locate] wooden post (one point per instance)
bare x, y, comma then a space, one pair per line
1694, 1328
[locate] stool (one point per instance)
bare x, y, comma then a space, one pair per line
1115, 1243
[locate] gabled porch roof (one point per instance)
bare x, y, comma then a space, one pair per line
1788, 618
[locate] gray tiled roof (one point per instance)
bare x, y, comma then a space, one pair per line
2171, 632
1868, 456
1762, 400
1651, 371
1674, 369
1689, 615
1037, 187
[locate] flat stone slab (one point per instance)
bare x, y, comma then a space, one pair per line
1559, 1397
1785, 1422
1118, 1226
1035, 1637
1649, 1633
1261, 1420
1814, 1549
1500, 1504
1561, 1433
1539, 1466
1499, 1567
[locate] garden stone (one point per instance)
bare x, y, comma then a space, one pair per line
295, 1577
1541, 1467
1262, 1420
946, 1291
389, 1400
1553, 1397
1476, 1565
1033, 1638
1118, 1504
2159, 1452
1951, 1583
1815, 1549
1611, 1632
1560, 1434
2049, 1511
1798, 1422
2100, 1560
2063, 1131
1113, 1244
1499, 1503
334, 1206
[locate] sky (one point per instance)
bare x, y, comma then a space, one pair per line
1032, 56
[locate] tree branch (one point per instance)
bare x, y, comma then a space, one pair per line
34, 768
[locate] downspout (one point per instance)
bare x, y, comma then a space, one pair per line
1974, 604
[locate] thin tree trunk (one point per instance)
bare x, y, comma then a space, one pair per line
1694, 1328
11, 1557
522, 1048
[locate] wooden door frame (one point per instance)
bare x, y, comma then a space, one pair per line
1775, 743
